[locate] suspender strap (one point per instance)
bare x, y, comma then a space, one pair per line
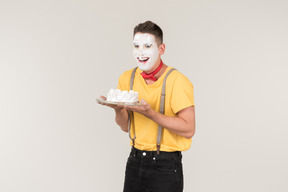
132, 78
131, 115
162, 110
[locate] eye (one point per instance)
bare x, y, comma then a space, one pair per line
136, 46
148, 46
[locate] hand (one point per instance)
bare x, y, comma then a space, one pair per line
144, 109
116, 107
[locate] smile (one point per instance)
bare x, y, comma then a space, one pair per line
143, 59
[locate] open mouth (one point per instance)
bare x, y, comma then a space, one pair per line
143, 59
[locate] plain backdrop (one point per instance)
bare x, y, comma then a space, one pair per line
57, 57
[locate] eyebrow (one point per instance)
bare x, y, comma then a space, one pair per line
151, 44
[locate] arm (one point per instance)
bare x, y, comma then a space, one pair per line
183, 124
121, 118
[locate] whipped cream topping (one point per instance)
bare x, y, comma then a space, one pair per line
116, 95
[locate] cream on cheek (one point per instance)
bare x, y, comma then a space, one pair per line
142, 52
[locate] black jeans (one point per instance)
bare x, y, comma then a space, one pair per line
148, 172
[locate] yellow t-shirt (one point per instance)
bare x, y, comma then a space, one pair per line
179, 95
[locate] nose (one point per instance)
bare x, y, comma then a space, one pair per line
141, 51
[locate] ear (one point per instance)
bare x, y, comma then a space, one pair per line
162, 49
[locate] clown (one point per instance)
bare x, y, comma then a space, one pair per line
155, 160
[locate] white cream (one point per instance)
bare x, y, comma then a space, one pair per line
145, 51
116, 95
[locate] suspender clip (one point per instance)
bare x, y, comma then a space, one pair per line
158, 149
133, 142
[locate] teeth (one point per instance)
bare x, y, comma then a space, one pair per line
143, 58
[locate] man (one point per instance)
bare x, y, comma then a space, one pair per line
155, 166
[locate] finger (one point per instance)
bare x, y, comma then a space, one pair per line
102, 97
133, 108
143, 102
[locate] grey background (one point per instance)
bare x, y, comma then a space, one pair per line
56, 57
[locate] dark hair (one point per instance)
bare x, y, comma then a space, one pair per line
151, 28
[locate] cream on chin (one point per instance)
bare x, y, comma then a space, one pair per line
146, 62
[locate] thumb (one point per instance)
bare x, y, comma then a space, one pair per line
143, 102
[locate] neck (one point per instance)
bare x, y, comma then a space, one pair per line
162, 70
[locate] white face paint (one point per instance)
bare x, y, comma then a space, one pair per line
145, 51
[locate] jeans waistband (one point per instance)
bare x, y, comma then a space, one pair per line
136, 152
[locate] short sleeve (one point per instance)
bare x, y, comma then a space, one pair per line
124, 81
182, 94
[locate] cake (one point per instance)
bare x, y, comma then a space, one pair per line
116, 95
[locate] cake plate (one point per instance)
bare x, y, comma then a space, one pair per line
99, 100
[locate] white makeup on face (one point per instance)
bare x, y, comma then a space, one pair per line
145, 51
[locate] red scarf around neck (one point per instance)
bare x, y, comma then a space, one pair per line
151, 75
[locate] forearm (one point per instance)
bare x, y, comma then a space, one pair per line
121, 118
177, 125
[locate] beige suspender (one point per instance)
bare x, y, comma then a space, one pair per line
131, 115
162, 108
